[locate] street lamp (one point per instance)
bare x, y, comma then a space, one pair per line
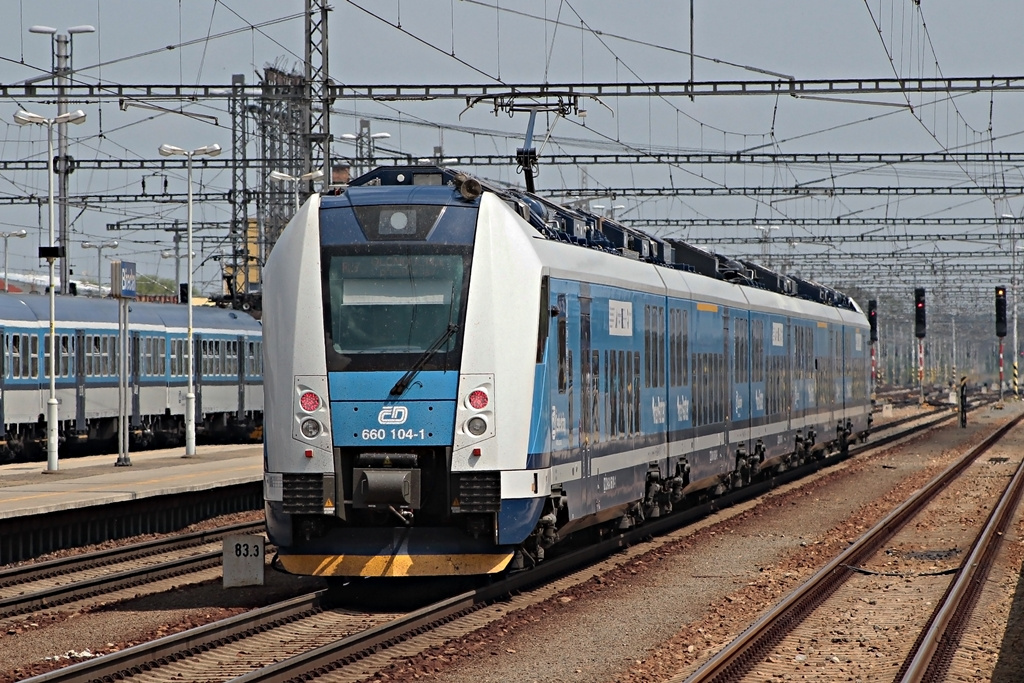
766, 245
364, 140
99, 259
612, 210
61, 70
7, 236
51, 254
295, 180
190, 396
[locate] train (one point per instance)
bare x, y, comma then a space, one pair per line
461, 376
228, 377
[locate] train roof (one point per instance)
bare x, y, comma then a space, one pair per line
577, 226
36, 308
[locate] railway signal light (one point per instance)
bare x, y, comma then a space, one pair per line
1000, 311
919, 317
873, 319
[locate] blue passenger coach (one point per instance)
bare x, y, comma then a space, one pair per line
458, 376
228, 373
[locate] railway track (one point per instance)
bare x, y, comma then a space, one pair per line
42, 585
777, 645
289, 640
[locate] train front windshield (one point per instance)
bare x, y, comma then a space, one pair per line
386, 310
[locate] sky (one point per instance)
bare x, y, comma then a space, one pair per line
205, 42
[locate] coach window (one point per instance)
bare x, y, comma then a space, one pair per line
16, 353
648, 355
33, 343
563, 345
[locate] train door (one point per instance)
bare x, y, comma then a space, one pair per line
134, 372
835, 382
723, 392
239, 356
587, 394
197, 375
742, 395
3, 379
80, 423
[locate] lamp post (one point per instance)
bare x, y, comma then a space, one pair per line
7, 236
766, 244
51, 254
99, 259
295, 180
190, 396
62, 44
364, 141
611, 209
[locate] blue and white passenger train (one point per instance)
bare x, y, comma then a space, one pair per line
458, 376
228, 373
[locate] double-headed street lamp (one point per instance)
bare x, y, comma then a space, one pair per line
112, 244
190, 396
295, 180
51, 254
7, 236
63, 44
364, 140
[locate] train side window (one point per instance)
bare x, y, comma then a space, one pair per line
33, 344
563, 345
636, 392
673, 359
609, 388
648, 359
685, 323
16, 353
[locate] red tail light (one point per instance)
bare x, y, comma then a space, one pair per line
478, 399
309, 402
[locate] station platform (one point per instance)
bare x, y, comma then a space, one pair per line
26, 490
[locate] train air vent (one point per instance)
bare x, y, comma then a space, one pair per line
480, 492
303, 493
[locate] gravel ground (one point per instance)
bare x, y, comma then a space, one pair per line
651, 619
662, 614
61, 636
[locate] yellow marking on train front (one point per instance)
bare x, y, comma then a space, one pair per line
395, 565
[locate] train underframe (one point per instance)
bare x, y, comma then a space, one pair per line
27, 442
415, 494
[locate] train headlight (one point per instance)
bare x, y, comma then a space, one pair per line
309, 402
478, 399
310, 428
476, 425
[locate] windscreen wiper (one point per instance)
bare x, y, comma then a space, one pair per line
403, 384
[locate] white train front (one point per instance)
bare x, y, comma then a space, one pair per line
457, 376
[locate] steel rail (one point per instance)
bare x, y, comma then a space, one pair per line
933, 652
145, 656
64, 565
357, 646
108, 583
751, 646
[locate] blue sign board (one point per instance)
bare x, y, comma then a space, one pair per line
123, 280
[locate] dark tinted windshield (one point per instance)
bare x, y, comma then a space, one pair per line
383, 309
